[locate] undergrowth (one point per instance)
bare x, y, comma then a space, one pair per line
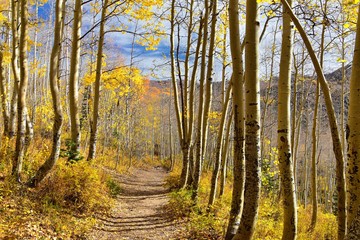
63, 206
203, 224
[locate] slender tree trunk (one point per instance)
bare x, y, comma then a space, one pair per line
190, 134
4, 94
171, 156
35, 63
185, 167
337, 148
218, 148
21, 130
74, 81
314, 187
55, 93
224, 155
94, 125
14, 64
209, 78
208, 99
353, 137
305, 167
252, 124
267, 98
198, 144
316, 129
238, 111
284, 129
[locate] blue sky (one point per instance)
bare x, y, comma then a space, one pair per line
118, 44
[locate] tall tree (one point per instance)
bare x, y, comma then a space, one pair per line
238, 112
21, 105
184, 100
94, 124
218, 150
199, 132
284, 129
184, 174
353, 139
252, 124
74, 80
55, 93
14, 64
225, 154
337, 147
3, 92
201, 148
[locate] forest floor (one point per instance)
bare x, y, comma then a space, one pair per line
140, 210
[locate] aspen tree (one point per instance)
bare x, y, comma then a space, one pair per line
353, 139
56, 100
74, 80
218, 149
5, 80
209, 76
3, 92
21, 105
94, 124
238, 111
296, 117
201, 147
252, 124
190, 82
224, 155
36, 65
185, 167
14, 64
190, 133
284, 128
337, 148
267, 98
199, 132
314, 185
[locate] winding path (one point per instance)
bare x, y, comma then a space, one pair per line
139, 211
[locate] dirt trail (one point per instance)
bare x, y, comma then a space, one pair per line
139, 211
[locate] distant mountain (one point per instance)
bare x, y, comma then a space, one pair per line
334, 79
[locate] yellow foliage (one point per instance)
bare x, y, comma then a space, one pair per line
269, 224
2, 18
52, 210
350, 11
45, 114
77, 186
326, 226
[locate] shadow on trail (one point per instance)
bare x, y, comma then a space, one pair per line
125, 224
140, 211
144, 193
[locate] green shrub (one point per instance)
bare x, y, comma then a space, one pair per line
201, 224
114, 187
180, 203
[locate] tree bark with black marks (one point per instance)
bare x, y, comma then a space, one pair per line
284, 128
74, 81
337, 147
20, 150
353, 139
252, 124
